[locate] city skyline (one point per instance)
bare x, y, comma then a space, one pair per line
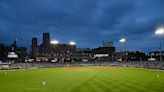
88, 23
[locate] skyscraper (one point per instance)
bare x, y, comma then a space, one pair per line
34, 47
46, 38
14, 45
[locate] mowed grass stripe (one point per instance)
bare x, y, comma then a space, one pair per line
133, 82
116, 85
84, 86
145, 80
84, 79
32, 82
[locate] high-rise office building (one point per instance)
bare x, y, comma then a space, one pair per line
46, 38
34, 47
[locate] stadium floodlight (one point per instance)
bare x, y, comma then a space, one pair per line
72, 43
122, 40
160, 32
54, 42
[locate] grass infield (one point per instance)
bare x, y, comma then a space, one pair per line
82, 79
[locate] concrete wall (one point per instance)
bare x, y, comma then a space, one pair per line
3, 67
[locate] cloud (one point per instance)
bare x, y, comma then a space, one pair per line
88, 22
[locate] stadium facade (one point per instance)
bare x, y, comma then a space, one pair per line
47, 51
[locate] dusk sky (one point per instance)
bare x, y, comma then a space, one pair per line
87, 22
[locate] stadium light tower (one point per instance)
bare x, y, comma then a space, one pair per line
54, 42
123, 41
72, 43
160, 32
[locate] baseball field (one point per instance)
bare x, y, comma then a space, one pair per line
82, 79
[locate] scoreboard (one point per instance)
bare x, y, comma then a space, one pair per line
108, 44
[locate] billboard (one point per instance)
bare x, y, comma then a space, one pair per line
108, 44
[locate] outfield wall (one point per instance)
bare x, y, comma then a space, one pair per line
139, 64
4, 67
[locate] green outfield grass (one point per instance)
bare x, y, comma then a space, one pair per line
82, 79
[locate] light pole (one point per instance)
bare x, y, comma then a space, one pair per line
160, 32
123, 42
73, 48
